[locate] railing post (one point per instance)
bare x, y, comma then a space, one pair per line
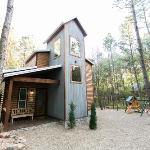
8, 104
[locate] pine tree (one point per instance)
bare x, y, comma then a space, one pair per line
72, 121
93, 118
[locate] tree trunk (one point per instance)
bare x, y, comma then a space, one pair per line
4, 35
4, 42
135, 73
140, 49
145, 20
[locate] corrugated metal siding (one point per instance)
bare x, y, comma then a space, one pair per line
42, 59
89, 85
32, 62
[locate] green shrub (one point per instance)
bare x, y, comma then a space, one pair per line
72, 121
93, 118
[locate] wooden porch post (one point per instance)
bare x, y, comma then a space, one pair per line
8, 104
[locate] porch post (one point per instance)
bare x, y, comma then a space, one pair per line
8, 104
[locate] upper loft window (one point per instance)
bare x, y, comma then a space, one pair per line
76, 73
74, 47
57, 48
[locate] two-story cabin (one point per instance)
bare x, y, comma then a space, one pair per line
52, 78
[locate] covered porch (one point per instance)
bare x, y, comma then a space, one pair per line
26, 94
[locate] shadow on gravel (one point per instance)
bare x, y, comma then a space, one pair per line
27, 122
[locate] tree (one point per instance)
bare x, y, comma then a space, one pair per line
127, 46
72, 121
25, 47
4, 35
109, 45
3, 44
130, 4
93, 118
140, 49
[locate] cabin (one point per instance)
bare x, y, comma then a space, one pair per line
51, 78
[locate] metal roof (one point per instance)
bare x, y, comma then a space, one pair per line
28, 71
129, 98
20, 69
89, 61
61, 26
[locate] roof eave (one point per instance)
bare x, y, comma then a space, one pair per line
60, 27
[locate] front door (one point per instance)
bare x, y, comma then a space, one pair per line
40, 103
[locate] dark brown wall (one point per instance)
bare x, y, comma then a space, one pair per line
15, 95
89, 85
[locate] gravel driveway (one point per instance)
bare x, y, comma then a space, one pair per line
116, 131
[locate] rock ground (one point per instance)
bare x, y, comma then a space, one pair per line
116, 131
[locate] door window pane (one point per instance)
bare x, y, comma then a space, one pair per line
22, 98
22, 104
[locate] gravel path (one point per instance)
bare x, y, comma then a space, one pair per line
116, 131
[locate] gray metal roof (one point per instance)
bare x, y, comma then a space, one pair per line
23, 71
89, 61
61, 26
129, 98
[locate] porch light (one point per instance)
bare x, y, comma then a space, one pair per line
31, 92
31, 95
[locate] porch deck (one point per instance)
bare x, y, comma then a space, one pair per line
20, 123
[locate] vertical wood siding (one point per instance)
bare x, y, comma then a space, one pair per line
56, 99
31, 62
89, 85
75, 92
40, 59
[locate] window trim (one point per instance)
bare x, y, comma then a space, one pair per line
75, 82
79, 56
54, 47
23, 100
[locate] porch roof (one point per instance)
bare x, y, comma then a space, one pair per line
23, 71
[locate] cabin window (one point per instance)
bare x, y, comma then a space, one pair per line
76, 74
57, 48
22, 98
74, 47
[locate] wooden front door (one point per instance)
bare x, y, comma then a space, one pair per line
40, 103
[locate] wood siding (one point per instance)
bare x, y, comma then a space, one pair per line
30, 103
42, 59
15, 96
75, 92
31, 62
89, 85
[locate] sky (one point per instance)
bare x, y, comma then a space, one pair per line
39, 18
